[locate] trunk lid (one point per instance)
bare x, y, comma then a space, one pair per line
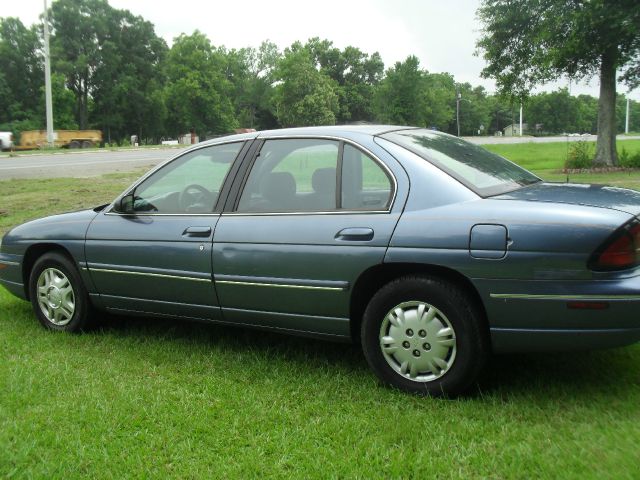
601, 196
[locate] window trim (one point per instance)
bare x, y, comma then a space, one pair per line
342, 141
218, 207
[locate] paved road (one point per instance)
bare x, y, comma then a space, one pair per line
81, 164
88, 164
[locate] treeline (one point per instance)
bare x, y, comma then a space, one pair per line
110, 71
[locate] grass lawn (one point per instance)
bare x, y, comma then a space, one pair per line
150, 398
547, 160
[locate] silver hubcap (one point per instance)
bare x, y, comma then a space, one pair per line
418, 341
55, 296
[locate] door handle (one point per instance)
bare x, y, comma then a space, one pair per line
197, 232
355, 234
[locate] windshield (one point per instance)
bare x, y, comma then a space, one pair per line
485, 173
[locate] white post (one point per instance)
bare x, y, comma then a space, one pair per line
458, 96
626, 123
520, 118
47, 79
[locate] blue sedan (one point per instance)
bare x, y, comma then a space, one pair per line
429, 251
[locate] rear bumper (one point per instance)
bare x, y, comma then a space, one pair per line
509, 340
562, 315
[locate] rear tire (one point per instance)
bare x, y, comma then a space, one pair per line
58, 295
424, 335
87, 144
75, 144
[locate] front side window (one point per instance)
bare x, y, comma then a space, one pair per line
189, 184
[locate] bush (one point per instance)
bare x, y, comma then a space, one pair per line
628, 160
580, 156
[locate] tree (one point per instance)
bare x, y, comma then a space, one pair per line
355, 73
77, 26
22, 73
304, 95
251, 72
529, 42
198, 92
475, 110
409, 95
128, 78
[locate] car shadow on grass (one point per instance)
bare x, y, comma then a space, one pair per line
591, 375
207, 336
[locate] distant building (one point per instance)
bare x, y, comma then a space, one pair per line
513, 130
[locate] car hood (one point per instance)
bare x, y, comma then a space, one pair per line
601, 196
67, 226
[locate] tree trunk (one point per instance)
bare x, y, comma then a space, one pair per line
606, 153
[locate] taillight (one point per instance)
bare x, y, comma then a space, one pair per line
620, 251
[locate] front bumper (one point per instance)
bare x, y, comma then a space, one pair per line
11, 274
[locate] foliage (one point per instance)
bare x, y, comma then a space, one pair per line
197, 92
629, 160
305, 96
112, 72
22, 72
355, 73
579, 156
529, 42
409, 95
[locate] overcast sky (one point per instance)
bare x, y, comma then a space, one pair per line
442, 34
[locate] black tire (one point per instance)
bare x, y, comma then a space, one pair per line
87, 144
75, 144
66, 284
464, 356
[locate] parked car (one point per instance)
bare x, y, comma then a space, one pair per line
6, 141
430, 251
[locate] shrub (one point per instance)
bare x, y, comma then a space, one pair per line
580, 156
629, 160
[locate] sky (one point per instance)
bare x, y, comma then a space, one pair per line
441, 33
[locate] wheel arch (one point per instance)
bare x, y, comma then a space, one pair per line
33, 253
374, 278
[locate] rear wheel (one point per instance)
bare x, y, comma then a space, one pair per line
87, 144
424, 335
58, 295
75, 144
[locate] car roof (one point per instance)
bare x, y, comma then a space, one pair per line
330, 130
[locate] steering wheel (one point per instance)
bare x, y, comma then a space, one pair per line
195, 195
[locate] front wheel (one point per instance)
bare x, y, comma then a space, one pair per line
58, 296
424, 335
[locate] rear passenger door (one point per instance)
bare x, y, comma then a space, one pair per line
311, 215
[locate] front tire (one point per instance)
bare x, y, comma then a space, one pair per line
424, 335
57, 294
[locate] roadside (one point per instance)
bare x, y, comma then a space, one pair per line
66, 151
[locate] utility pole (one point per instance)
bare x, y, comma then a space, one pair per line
458, 96
626, 123
47, 78
520, 118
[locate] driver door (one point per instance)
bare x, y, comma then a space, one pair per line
156, 257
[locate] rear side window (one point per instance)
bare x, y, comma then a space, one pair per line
292, 176
365, 184
314, 175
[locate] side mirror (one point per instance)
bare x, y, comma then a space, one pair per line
124, 204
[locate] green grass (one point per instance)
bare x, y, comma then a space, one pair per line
547, 161
151, 398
